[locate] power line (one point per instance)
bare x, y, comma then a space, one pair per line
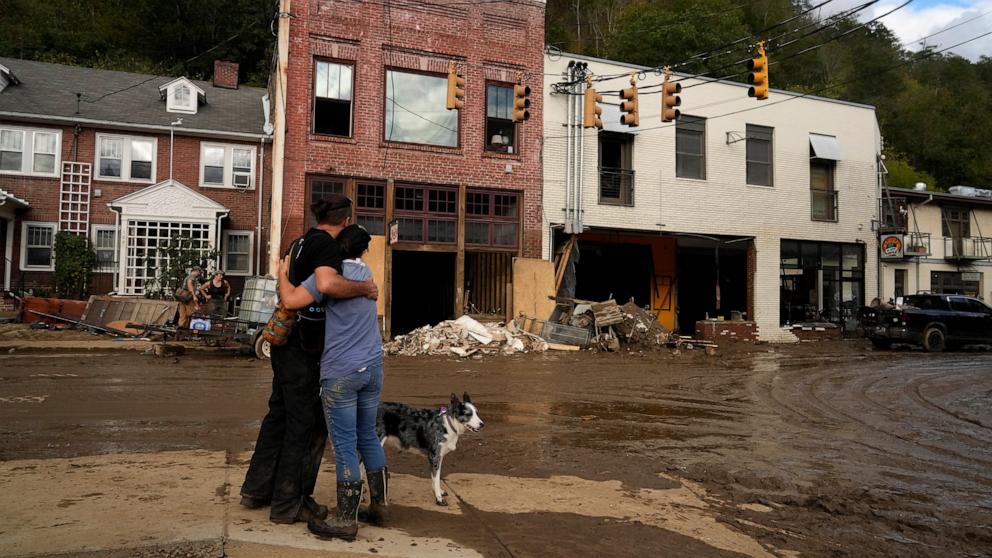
981, 15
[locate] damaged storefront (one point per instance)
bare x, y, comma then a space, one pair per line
443, 250
822, 282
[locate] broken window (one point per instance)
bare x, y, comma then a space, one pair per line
332, 98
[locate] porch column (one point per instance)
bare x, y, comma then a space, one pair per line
8, 253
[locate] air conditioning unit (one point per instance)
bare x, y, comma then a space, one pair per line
242, 180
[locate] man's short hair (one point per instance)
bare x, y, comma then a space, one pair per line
331, 209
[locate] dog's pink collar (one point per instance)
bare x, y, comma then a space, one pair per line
442, 410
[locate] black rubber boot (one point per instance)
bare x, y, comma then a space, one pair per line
378, 489
343, 525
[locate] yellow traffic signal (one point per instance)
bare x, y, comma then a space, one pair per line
456, 88
669, 100
758, 76
521, 102
590, 116
630, 104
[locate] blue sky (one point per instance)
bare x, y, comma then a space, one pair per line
925, 17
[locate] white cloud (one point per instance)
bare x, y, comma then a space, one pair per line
924, 17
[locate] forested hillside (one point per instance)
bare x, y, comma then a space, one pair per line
935, 109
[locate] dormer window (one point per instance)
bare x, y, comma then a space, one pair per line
182, 96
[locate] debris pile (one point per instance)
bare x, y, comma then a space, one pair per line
465, 337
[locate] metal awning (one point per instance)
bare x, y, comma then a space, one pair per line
824, 147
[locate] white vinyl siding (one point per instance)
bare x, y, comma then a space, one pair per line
125, 158
29, 151
38, 246
227, 166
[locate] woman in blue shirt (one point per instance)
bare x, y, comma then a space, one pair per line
351, 382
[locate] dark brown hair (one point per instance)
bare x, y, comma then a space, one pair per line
332, 209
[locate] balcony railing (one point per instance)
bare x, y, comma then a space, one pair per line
823, 204
916, 245
968, 248
616, 186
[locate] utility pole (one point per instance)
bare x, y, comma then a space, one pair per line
279, 140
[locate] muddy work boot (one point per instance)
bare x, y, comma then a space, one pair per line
344, 524
375, 514
318, 510
253, 503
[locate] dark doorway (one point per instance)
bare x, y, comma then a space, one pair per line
618, 270
423, 289
697, 275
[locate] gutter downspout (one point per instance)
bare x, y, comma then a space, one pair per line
279, 140
8, 252
261, 189
218, 238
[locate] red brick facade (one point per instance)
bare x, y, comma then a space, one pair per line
489, 43
43, 193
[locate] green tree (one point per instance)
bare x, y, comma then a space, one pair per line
74, 262
904, 175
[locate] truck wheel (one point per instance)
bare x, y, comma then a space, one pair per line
883, 344
934, 340
263, 350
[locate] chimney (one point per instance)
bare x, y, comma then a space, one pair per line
225, 74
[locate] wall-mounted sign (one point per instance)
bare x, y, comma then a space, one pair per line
891, 246
394, 232
971, 275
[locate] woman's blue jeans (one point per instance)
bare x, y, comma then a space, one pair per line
351, 404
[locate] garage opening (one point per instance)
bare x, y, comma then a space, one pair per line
423, 289
619, 270
697, 281
487, 276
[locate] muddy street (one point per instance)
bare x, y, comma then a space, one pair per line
815, 450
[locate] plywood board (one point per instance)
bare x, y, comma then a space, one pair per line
375, 258
533, 283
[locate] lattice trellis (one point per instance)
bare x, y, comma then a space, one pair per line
74, 199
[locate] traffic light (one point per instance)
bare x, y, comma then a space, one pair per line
758, 76
521, 102
590, 116
669, 100
630, 104
456, 88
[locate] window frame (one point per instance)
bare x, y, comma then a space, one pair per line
313, 94
27, 151
192, 102
228, 148
831, 189
681, 125
757, 128
385, 102
225, 252
425, 215
25, 225
94, 230
946, 230
126, 159
365, 211
515, 145
491, 219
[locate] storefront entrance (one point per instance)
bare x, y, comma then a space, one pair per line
423, 289
821, 282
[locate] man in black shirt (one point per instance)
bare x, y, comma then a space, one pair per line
291, 440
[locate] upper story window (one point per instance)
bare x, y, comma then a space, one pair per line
759, 155
823, 197
501, 131
29, 151
955, 222
227, 166
616, 171
332, 103
181, 96
126, 158
690, 147
415, 110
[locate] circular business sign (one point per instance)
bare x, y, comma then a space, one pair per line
891, 246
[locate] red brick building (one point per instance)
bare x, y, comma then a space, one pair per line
461, 188
128, 160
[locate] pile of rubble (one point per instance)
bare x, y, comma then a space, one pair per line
465, 337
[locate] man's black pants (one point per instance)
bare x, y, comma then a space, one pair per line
291, 439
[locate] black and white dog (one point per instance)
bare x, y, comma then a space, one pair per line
430, 432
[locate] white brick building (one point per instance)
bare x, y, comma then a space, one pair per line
787, 254
936, 242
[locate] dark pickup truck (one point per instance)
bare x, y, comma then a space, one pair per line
935, 322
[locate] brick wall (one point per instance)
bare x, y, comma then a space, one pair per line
43, 193
490, 42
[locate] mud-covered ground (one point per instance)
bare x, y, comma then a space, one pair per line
829, 449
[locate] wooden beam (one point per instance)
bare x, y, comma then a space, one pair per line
460, 254
387, 289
